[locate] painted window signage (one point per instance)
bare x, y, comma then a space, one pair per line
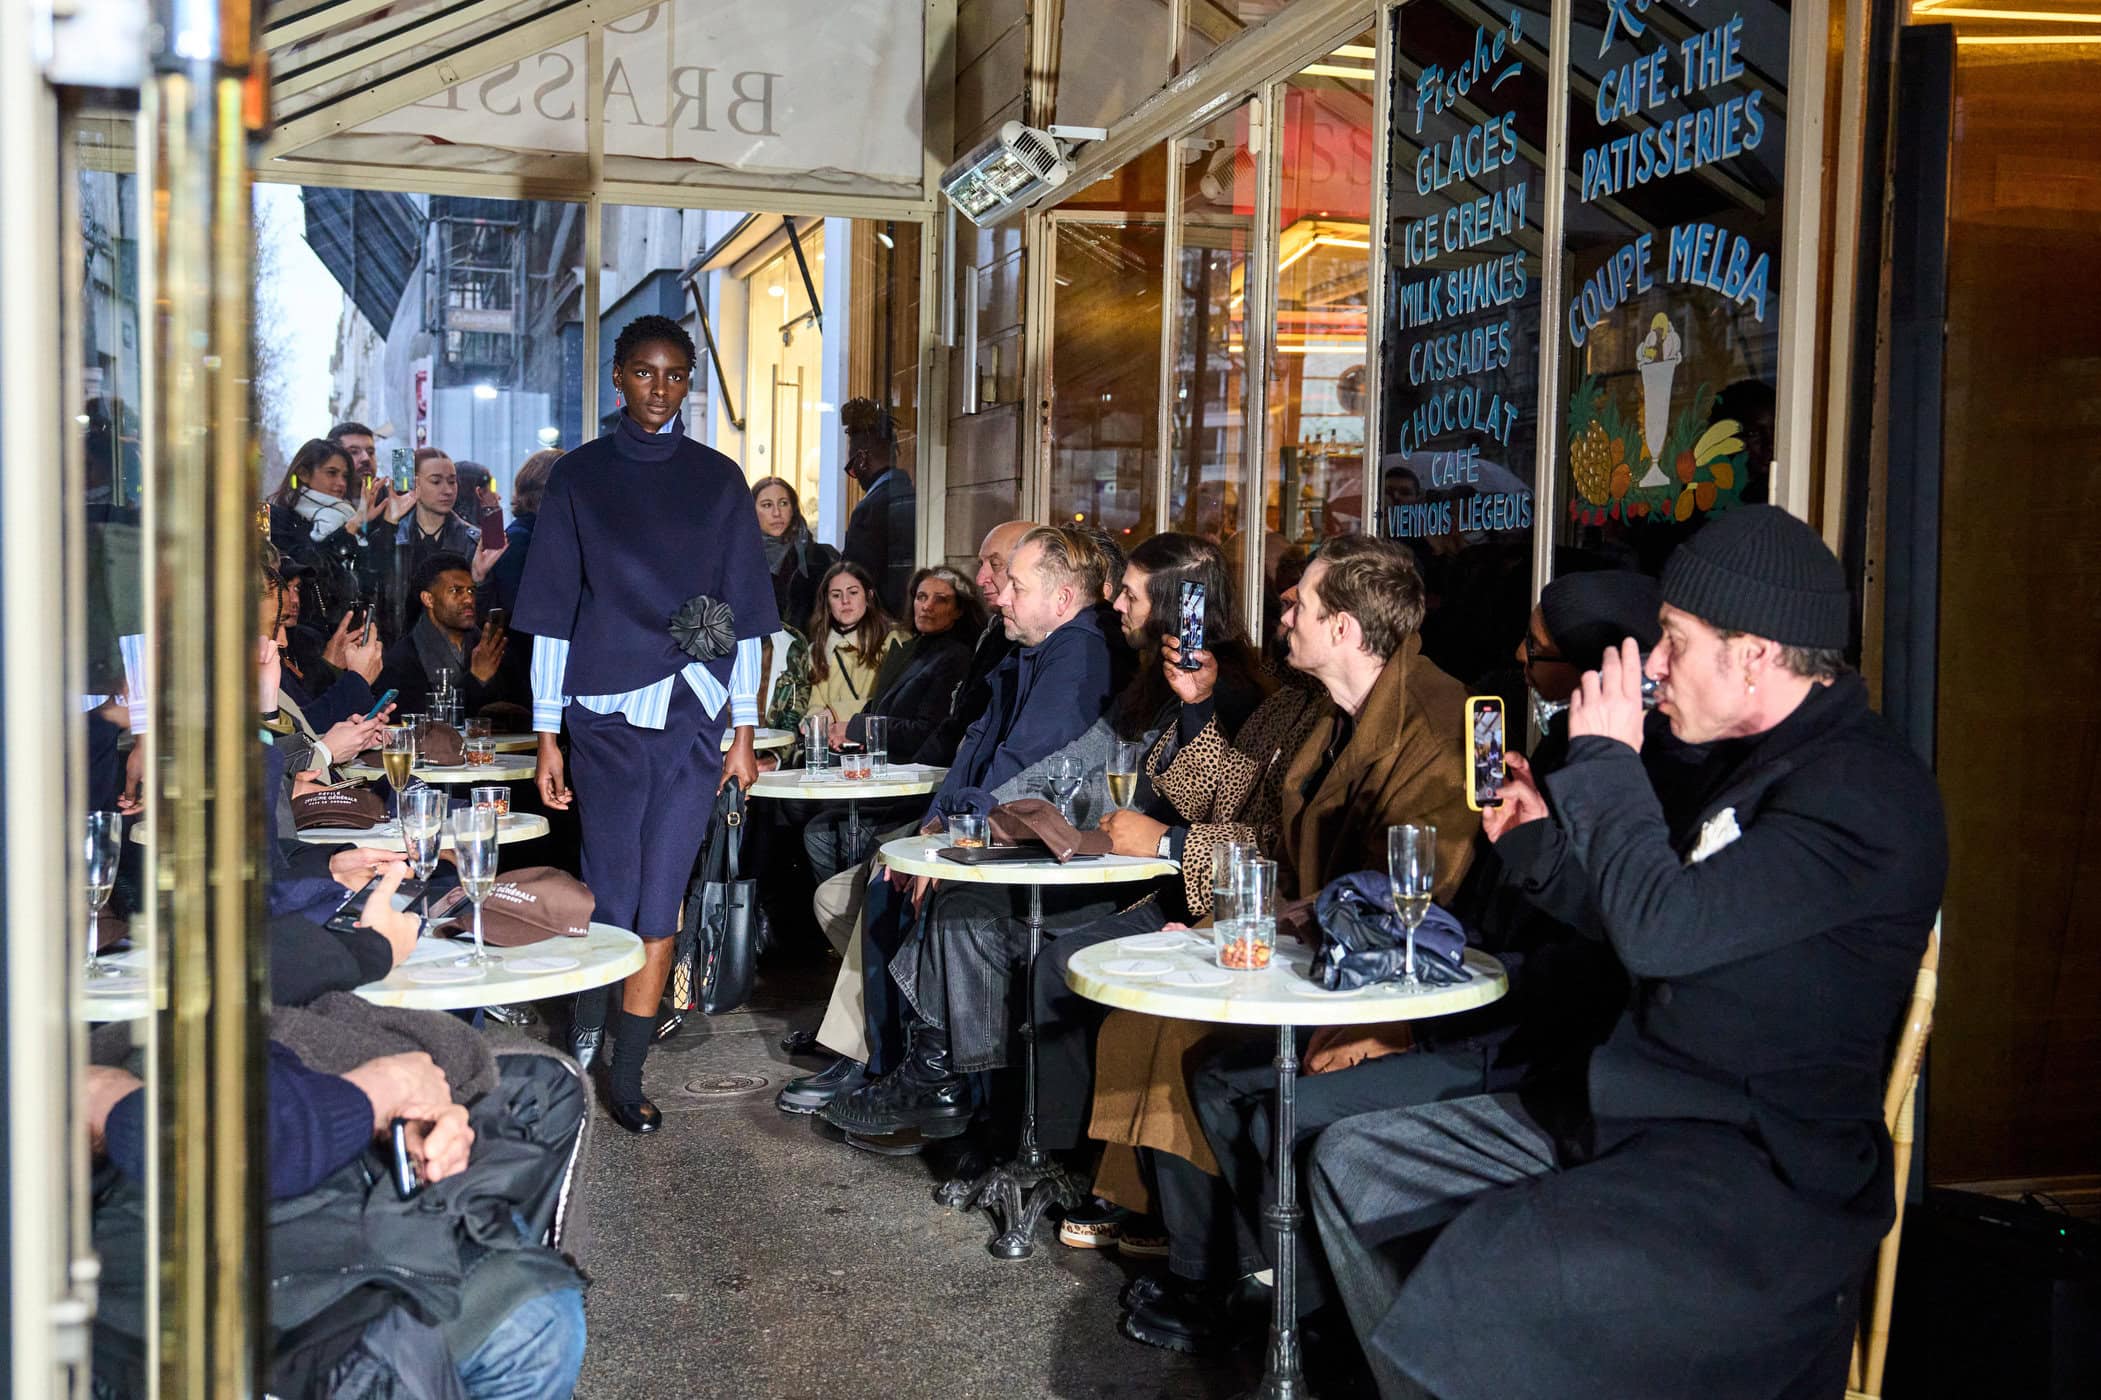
1463, 310
1676, 141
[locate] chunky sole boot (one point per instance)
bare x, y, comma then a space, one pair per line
813, 1091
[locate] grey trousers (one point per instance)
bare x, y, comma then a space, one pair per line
1382, 1183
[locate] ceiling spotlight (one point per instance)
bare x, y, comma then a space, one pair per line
885, 239
485, 391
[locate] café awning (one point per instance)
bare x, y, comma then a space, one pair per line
822, 100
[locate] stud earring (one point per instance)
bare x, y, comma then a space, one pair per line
1750, 686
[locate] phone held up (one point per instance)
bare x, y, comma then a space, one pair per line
1190, 631
1484, 740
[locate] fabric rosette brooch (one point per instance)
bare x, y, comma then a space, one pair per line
704, 628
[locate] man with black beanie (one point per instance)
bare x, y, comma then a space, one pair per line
1702, 1226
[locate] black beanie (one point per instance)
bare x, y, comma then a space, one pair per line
1589, 614
1757, 569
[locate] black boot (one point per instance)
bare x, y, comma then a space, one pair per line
630, 1107
924, 1093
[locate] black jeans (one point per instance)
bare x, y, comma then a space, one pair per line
957, 968
1066, 1025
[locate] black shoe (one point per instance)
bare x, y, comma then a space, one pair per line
583, 1045
923, 1093
814, 1091
1179, 1316
668, 1027
640, 1116
909, 1143
510, 1015
1142, 1289
800, 1043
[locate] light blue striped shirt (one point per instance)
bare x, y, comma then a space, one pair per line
133, 649
647, 707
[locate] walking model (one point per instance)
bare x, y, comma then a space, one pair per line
641, 527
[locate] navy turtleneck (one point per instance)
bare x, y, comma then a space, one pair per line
633, 525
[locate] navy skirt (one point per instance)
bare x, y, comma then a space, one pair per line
643, 799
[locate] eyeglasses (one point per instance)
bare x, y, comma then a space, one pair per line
1535, 657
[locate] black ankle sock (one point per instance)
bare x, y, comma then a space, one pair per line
631, 1040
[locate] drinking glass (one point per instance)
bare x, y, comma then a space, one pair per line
875, 737
1250, 944
497, 796
853, 762
479, 727
1123, 774
1411, 868
1226, 859
105, 847
1063, 777
474, 848
480, 751
816, 741
398, 757
965, 830
422, 831
448, 709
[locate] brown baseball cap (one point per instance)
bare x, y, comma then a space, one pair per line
533, 905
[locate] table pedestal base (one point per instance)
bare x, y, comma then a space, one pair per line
1282, 1380
1020, 1195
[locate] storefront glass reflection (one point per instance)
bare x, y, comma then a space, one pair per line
1208, 462
1105, 374
1313, 482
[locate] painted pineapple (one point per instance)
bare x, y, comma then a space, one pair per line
1591, 456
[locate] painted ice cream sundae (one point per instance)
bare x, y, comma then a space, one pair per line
1657, 357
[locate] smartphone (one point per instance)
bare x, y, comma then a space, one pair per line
1484, 739
495, 620
491, 523
384, 700
404, 1165
338, 787
364, 624
1190, 632
404, 470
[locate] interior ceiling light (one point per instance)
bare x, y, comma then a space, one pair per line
1365, 51
2089, 40
883, 238
1337, 70
485, 391
1925, 7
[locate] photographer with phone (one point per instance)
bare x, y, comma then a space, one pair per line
446, 638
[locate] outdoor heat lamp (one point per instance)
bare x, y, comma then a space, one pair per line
1010, 168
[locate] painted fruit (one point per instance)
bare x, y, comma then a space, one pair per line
1704, 494
1622, 479
1686, 466
1591, 459
1684, 510
1723, 473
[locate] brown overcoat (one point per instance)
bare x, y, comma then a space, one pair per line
1406, 762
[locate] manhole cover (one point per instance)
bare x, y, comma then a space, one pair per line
725, 1086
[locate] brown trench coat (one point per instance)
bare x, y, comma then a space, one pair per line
1406, 762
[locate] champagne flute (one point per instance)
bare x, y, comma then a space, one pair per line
474, 848
1123, 774
398, 756
1411, 868
105, 847
1063, 778
422, 831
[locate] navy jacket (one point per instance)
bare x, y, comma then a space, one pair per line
1042, 698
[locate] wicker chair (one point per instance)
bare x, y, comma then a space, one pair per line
1871, 1345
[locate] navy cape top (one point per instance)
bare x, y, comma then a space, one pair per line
632, 526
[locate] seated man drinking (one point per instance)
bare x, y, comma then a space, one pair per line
1701, 1228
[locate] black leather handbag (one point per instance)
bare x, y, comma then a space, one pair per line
719, 930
